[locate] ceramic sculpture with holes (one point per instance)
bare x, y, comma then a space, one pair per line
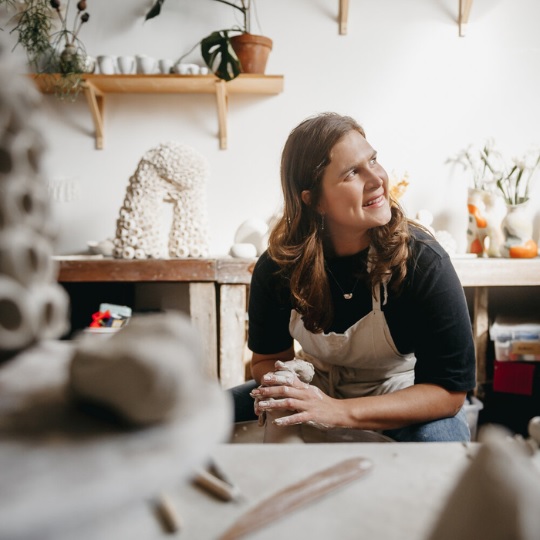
32, 305
170, 174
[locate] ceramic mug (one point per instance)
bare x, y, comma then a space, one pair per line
186, 69
126, 64
107, 64
145, 64
165, 65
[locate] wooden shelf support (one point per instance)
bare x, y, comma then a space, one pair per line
96, 86
96, 102
222, 106
343, 16
463, 17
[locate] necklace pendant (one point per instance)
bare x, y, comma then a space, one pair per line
347, 296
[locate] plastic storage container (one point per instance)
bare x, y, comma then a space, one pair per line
472, 407
516, 340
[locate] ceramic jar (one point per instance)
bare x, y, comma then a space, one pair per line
486, 211
517, 227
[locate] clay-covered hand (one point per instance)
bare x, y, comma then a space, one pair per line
285, 373
307, 404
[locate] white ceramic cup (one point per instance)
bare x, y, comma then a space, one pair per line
107, 64
165, 65
145, 64
186, 69
126, 65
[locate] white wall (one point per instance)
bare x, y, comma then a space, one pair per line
421, 92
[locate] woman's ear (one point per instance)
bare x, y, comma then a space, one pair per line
306, 197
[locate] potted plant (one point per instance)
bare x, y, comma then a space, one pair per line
51, 45
234, 50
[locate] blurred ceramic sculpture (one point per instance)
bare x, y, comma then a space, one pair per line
33, 305
148, 373
172, 173
250, 239
496, 496
484, 232
425, 218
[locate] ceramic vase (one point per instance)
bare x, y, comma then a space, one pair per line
477, 224
486, 211
517, 227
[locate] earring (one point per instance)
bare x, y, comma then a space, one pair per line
322, 222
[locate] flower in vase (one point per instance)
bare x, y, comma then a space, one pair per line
515, 182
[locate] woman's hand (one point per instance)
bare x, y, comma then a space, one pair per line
284, 392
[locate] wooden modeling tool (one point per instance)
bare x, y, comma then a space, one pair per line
298, 494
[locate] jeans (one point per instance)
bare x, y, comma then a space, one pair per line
454, 429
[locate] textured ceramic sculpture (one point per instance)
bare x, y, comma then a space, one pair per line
172, 173
32, 305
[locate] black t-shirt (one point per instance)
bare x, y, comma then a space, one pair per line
429, 317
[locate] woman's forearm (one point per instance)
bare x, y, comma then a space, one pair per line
417, 403
263, 363
308, 405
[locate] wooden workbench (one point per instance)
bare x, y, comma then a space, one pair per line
219, 288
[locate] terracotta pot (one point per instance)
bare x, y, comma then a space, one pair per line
252, 51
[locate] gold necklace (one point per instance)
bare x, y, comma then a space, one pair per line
347, 296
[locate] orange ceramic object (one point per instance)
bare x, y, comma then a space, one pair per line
527, 251
480, 219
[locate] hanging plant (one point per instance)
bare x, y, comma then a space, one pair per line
49, 48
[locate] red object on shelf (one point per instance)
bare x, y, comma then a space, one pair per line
100, 318
514, 377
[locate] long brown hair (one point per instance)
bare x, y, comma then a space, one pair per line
296, 242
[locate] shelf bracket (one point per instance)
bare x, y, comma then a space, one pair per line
95, 100
343, 16
222, 104
463, 18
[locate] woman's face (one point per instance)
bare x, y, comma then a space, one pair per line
354, 196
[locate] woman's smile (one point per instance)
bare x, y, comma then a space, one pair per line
377, 202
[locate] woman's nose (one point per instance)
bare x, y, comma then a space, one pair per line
374, 182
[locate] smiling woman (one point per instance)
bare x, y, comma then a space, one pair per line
372, 299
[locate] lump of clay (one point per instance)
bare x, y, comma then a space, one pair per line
287, 434
145, 373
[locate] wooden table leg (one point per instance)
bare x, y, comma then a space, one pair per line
480, 333
232, 334
203, 311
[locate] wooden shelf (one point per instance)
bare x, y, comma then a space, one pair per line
97, 86
464, 10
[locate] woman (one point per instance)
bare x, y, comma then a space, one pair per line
372, 299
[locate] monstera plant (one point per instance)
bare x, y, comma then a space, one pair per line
234, 50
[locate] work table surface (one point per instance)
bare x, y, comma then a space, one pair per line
59, 465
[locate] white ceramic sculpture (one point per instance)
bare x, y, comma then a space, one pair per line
172, 173
250, 239
32, 305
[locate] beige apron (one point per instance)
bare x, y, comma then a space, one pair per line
360, 362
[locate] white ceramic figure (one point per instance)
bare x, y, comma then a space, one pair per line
33, 305
172, 173
252, 232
